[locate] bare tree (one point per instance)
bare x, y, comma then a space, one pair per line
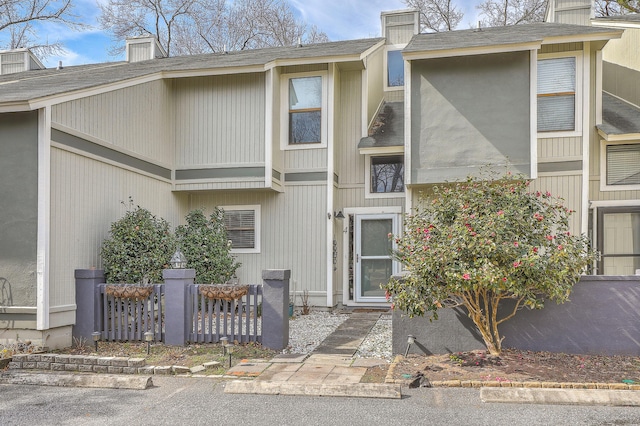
17, 19
201, 26
125, 18
436, 15
498, 13
616, 7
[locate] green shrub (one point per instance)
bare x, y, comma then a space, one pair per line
138, 249
478, 242
205, 244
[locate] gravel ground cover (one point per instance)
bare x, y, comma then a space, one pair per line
306, 332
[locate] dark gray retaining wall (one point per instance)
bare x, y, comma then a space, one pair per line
602, 317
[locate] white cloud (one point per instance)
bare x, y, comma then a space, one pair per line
346, 19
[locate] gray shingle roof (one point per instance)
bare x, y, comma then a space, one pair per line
619, 117
388, 129
31, 85
631, 17
499, 36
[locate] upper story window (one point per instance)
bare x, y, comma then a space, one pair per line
385, 176
394, 67
305, 114
557, 82
622, 165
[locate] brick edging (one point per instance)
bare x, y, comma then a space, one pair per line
97, 364
506, 384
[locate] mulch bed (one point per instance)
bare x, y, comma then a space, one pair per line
515, 365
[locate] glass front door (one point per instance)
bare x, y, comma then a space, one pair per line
373, 261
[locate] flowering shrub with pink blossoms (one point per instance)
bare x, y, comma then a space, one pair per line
477, 242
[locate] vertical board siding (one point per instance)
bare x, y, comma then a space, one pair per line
567, 187
354, 197
617, 51
596, 195
305, 159
349, 163
560, 47
137, 118
557, 148
220, 120
86, 197
375, 82
292, 233
292, 69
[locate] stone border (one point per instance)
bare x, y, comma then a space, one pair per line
506, 384
96, 364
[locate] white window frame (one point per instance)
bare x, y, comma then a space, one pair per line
367, 176
578, 96
388, 48
284, 111
603, 166
257, 221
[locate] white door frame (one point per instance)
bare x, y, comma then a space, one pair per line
355, 211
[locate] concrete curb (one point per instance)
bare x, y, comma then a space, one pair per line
358, 390
618, 398
109, 381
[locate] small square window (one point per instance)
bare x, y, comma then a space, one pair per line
305, 110
242, 223
387, 174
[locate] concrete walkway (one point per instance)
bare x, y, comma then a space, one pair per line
331, 370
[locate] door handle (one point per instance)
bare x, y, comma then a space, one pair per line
357, 258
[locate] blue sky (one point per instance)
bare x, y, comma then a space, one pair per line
340, 19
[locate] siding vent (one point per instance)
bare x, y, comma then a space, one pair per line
18, 60
144, 48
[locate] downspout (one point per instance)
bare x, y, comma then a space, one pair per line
330, 173
44, 202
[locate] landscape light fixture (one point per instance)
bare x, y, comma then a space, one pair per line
148, 337
224, 341
96, 337
178, 261
338, 215
229, 349
411, 339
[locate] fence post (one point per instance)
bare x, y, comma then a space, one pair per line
275, 308
175, 305
88, 307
